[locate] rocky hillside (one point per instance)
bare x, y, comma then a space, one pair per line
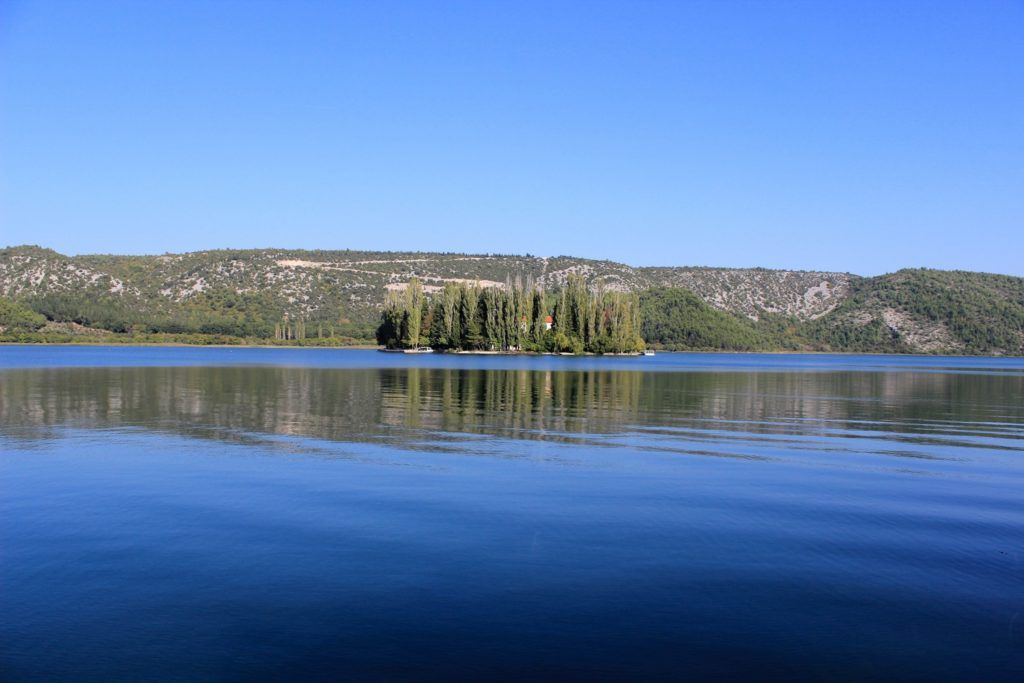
928, 311
754, 292
250, 292
314, 282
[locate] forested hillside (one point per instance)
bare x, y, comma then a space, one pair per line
678, 319
928, 311
336, 297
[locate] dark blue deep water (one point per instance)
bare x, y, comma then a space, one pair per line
230, 514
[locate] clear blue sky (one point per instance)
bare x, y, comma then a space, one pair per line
852, 136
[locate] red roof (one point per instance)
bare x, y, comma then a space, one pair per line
548, 319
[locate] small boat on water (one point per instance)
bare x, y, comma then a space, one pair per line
422, 349
648, 352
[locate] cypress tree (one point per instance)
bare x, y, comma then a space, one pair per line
464, 316
413, 313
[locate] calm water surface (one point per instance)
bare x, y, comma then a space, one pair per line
236, 514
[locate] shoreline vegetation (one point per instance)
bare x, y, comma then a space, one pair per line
375, 347
89, 337
128, 341
84, 336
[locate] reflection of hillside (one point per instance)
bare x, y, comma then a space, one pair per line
395, 404
329, 404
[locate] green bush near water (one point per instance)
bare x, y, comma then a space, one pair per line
16, 318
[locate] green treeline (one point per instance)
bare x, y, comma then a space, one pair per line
517, 317
677, 319
15, 317
217, 312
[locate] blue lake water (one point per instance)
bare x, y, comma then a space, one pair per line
231, 514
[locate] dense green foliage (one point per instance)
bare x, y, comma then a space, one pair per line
91, 310
219, 312
465, 317
965, 312
15, 317
679, 319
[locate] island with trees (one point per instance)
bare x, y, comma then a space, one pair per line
514, 318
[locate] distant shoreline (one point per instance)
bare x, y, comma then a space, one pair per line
373, 347
138, 344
